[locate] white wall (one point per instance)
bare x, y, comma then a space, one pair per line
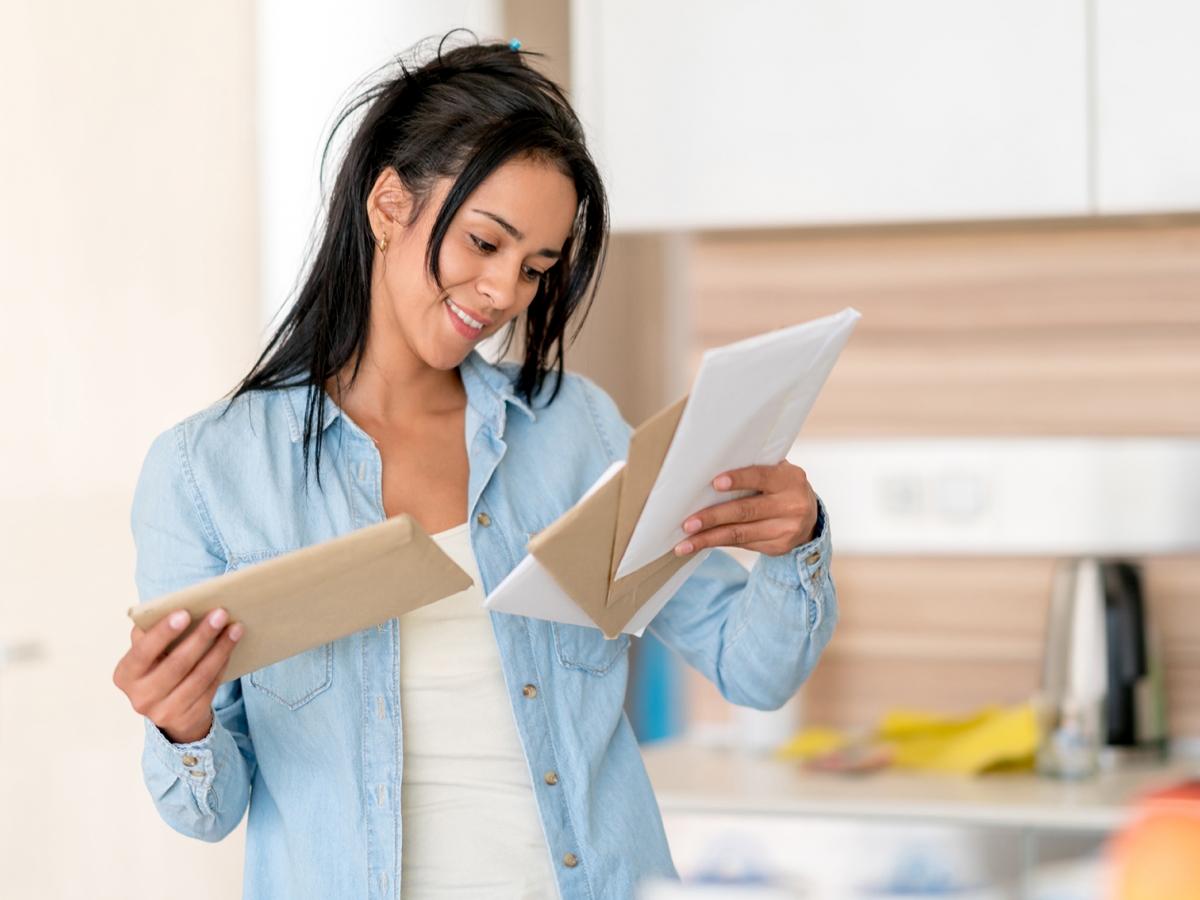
130, 297
128, 300
311, 55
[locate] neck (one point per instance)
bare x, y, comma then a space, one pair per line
394, 384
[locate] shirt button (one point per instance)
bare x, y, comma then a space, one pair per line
813, 558
551, 778
189, 761
529, 691
484, 519
570, 860
196, 774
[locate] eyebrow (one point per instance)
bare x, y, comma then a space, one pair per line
514, 233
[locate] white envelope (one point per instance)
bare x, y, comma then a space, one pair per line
746, 408
530, 591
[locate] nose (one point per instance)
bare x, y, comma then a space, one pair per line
501, 283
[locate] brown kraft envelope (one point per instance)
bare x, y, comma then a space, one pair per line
583, 548
318, 594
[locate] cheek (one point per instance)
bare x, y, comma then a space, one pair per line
408, 280
456, 264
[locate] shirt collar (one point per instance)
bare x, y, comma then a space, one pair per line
295, 402
489, 389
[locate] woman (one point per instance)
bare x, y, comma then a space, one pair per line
453, 752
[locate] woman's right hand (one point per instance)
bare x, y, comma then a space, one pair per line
175, 690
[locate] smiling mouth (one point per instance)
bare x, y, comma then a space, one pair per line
466, 319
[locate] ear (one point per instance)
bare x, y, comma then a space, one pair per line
389, 205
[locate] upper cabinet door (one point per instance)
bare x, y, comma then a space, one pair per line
1148, 109
710, 114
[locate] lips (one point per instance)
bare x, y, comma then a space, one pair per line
464, 323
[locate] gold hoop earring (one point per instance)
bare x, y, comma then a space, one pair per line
382, 243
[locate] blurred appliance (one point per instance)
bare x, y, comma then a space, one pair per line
1102, 680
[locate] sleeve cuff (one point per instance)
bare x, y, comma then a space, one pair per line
806, 566
196, 763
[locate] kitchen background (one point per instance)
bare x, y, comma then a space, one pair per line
1008, 191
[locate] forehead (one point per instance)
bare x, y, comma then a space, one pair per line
534, 196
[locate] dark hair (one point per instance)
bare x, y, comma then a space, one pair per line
461, 115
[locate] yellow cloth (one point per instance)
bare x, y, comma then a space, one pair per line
813, 742
991, 738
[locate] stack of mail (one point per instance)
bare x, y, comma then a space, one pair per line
609, 561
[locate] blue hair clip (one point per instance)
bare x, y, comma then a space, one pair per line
514, 45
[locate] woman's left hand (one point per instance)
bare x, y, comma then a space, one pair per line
779, 518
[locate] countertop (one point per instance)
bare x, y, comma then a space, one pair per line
690, 778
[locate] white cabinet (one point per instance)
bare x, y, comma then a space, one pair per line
1148, 105
784, 112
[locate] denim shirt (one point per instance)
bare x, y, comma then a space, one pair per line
313, 745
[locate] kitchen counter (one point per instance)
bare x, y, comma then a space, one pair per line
693, 779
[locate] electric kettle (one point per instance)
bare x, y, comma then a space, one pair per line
1102, 678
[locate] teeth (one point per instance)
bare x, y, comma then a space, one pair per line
462, 315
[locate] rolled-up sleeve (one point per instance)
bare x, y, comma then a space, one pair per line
201, 789
757, 637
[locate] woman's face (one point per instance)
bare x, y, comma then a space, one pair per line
500, 244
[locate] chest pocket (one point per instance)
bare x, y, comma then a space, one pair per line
586, 649
298, 679
583, 648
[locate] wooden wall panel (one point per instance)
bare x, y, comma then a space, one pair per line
542, 26
1001, 597
1040, 329
1183, 699
620, 346
1043, 385
1173, 585
1075, 329
962, 281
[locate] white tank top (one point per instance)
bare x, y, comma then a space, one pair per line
470, 820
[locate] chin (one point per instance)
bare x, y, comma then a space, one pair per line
445, 358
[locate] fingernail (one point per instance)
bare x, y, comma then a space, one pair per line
722, 482
179, 619
683, 548
217, 618
691, 526
236, 630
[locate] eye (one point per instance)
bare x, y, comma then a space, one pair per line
532, 274
482, 245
